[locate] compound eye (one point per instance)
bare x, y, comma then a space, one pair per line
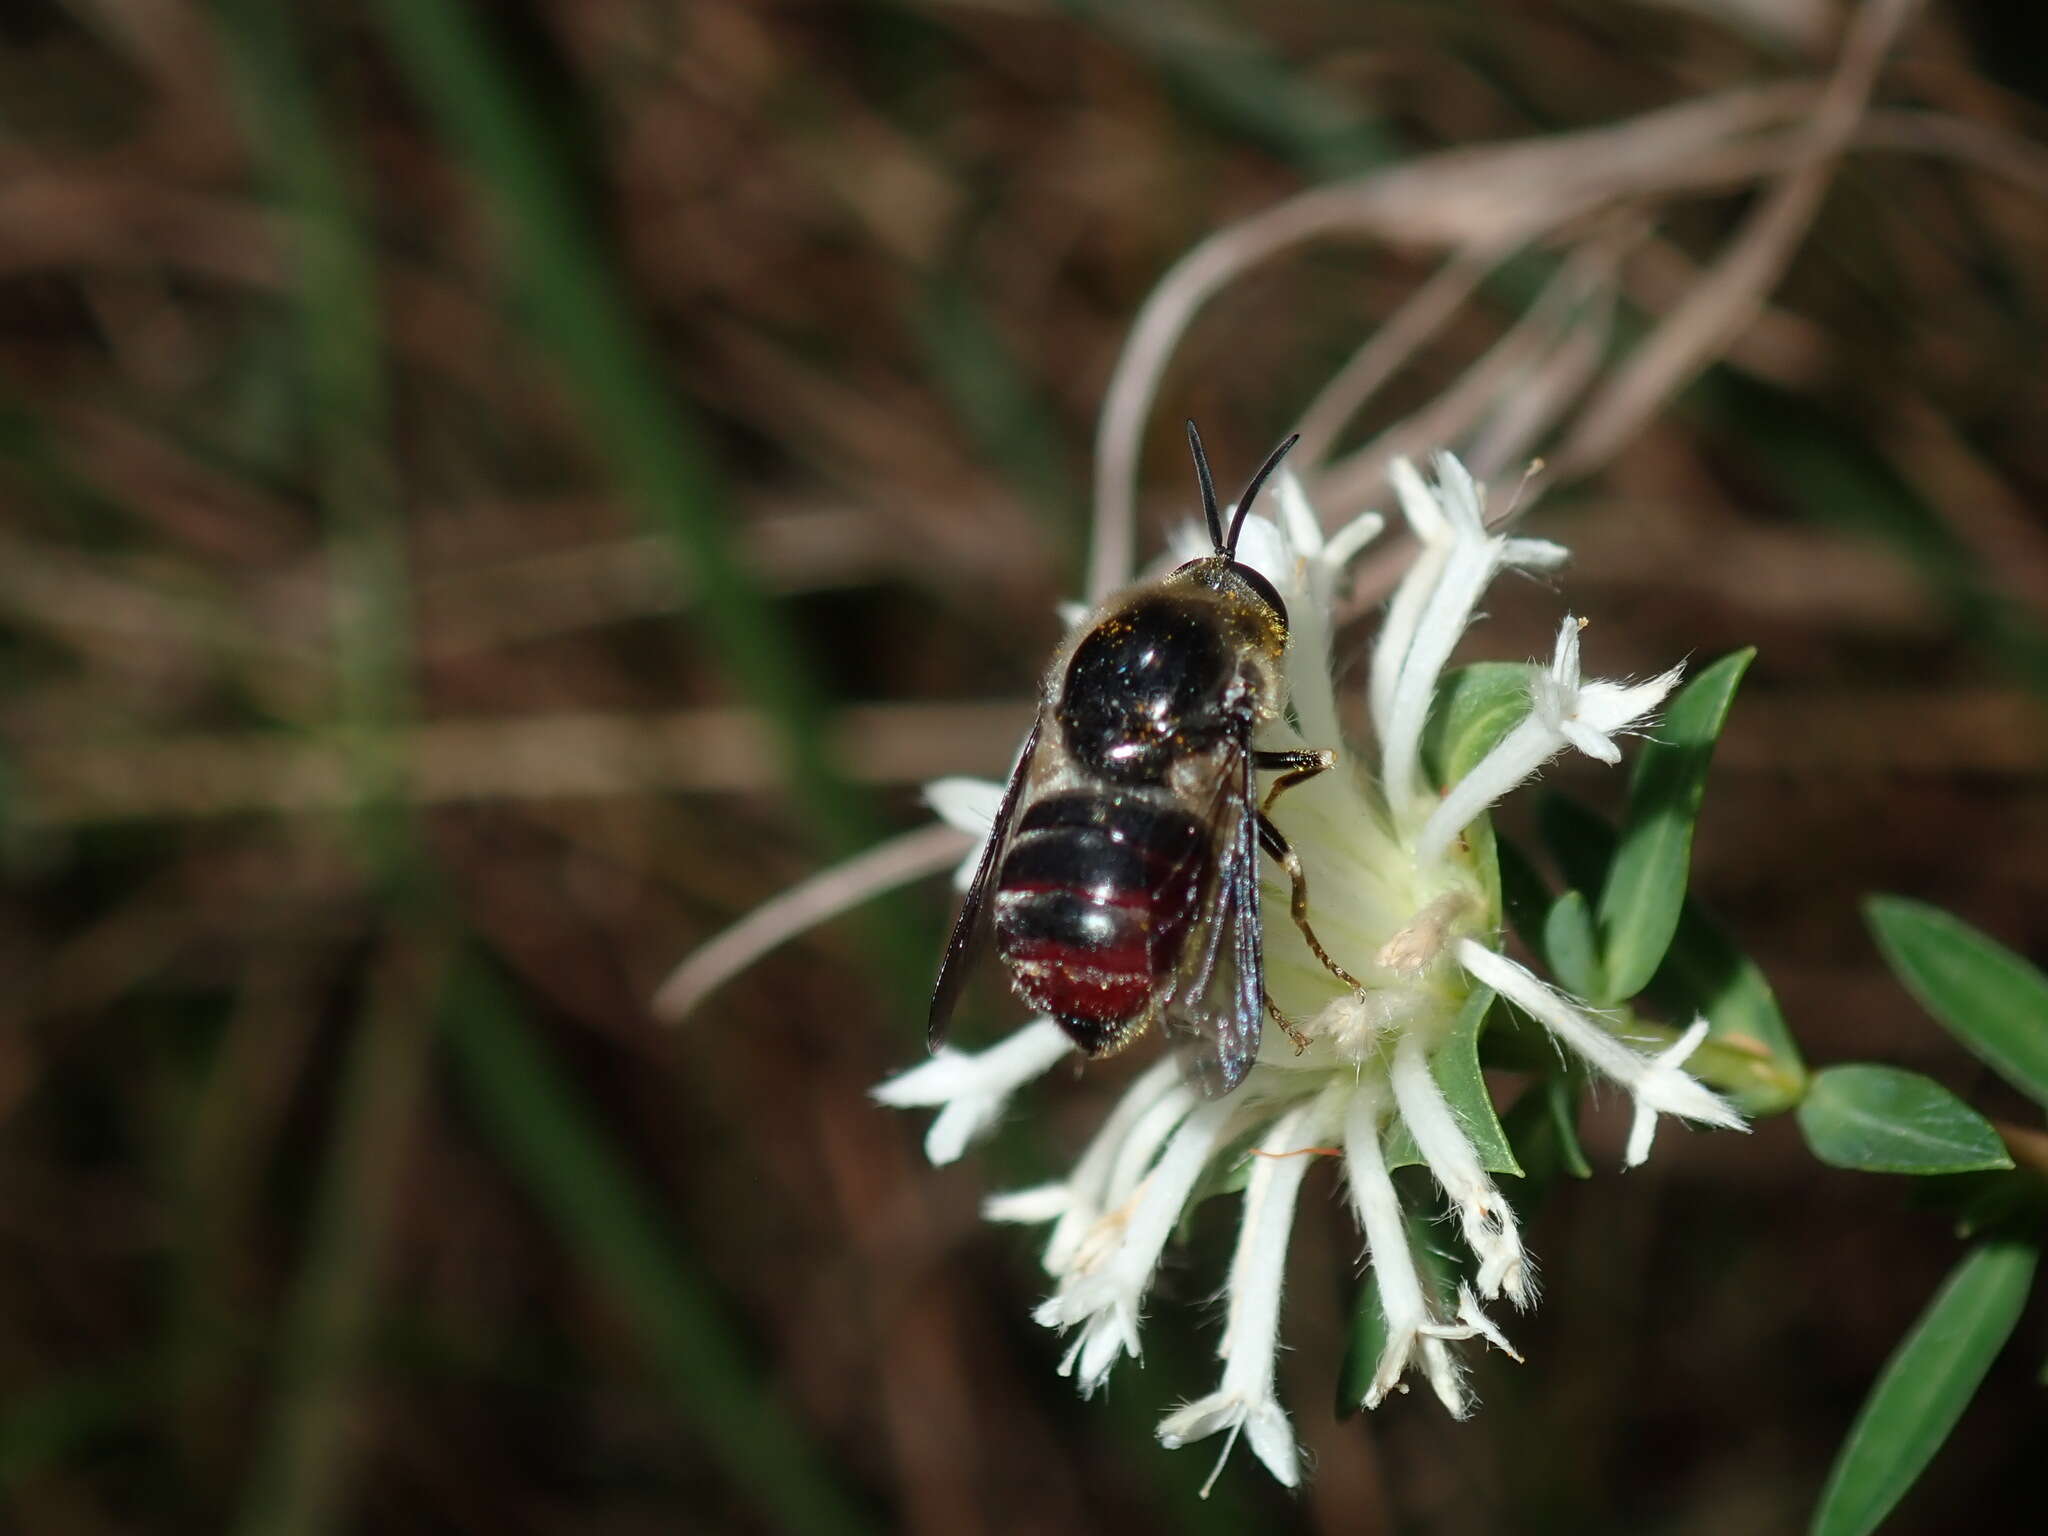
1261, 588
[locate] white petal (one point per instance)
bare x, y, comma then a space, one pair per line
1189, 541
1486, 1217
1564, 660
1462, 498
1394, 1274
1443, 620
1590, 742
1298, 519
1272, 1441
1089, 1184
1656, 1083
1418, 503
1664, 1088
1111, 1271
1517, 755
969, 804
1346, 542
1533, 554
1612, 707
1028, 1207
1251, 1333
974, 1088
1266, 549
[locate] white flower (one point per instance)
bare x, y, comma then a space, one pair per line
1563, 713
1397, 896
972, 1090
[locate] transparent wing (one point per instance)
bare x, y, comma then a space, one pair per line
1214, 1007
971, 927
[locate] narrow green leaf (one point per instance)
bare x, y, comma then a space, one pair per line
1925, 1386
581, 315
1885, 1120
1569, 945
620, 1237
1234, 82
1474, 707
1983, 993
1645, 888
1456, 1069
1561, 1101
972, 362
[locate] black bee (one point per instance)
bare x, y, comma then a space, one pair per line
1120, 882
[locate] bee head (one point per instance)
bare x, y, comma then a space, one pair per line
1223, 571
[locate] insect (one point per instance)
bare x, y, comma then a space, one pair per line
1119, 884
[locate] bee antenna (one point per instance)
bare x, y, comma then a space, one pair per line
1228, 547
1208, 487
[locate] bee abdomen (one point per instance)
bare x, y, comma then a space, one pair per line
1092, 904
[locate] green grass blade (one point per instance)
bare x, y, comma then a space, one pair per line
302, 1469
551, 1144
1639, 904
1983, 993
300, 1481
1243, 90
1925, 1386
1012, 424
578, 310
1885, 1120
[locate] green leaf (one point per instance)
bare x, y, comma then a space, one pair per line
1474, 707
1925, 1387
1455, 1066
1645, 888
1983, 993
1884, 1120
1569, 946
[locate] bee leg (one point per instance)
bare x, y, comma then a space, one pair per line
1294, 768
1301, 1041
1271, 840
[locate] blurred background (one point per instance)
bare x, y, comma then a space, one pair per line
494, 492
